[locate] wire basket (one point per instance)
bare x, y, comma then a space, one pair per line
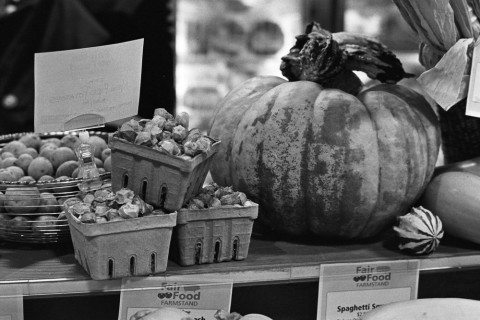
33, 212
30, 222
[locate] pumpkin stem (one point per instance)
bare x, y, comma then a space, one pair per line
321, 56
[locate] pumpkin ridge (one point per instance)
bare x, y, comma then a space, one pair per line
379, 185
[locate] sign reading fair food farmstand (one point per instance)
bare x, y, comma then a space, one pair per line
86, 88
201, 300
347, 291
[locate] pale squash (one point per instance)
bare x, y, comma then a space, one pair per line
427, 309
454, 197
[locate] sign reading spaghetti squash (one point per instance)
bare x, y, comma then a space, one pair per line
347, 291
154, 295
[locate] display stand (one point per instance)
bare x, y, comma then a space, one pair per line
284, 272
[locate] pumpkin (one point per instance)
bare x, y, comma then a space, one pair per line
324, 161
419, 231
453, 196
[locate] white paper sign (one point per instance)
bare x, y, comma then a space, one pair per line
347, 291
86, 88
473, 97
201, 300
11, 302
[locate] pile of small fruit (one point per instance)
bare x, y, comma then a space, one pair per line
36, 177
104, 205
33, 159
213, 196
166, 133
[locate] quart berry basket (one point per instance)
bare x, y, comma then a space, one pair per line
161, 179
20, 226
213, 235
117, 249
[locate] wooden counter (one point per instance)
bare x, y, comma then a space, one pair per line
48, 270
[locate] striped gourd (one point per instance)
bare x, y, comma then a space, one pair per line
419, 231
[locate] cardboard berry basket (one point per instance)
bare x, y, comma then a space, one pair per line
117, 249
163, 180
213, 235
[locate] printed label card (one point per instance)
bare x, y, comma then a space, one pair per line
347, 291
201, 300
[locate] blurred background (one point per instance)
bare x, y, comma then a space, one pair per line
195, 50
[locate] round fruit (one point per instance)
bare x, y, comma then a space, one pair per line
22, 199
31, 151
15, 147
48, 203
16, 171
43, 223
7, 155
61, 155
8, 162
31, 140
45, 187
107, 164
47, 151
6, 175
71, 141
23, 162
40, 166
27, 179
53, 140
106, 153
99, 144
19, 223
66, 168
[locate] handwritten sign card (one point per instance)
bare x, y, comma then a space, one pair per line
88, 87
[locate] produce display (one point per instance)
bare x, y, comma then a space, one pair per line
37, 175
214, 196
320, 154
453, 196
167, 313
215, 225
104, 205
223, 315
427, 309
420, 231
167, 134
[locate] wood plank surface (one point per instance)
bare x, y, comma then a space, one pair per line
52, 269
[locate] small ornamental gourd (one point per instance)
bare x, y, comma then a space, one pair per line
419, 231
320, 154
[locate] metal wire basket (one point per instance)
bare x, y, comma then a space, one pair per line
33, 212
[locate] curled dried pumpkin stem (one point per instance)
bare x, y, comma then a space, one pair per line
329, 59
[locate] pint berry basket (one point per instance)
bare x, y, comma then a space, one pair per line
213, 235
117, 249
161, 179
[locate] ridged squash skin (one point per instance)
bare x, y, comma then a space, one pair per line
323, 162
454, 197
427, 309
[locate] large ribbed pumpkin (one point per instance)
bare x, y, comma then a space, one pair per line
324, 162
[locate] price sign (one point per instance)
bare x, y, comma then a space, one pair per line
347, 291
200, 300
85, 88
